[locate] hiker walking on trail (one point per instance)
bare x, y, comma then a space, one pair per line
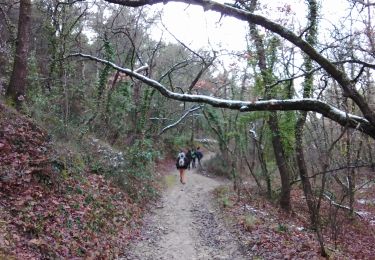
199, 155
193, 158
188, 155
182, 164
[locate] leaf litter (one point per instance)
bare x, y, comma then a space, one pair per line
49, 212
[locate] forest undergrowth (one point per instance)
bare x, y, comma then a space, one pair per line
53, 205
271, 233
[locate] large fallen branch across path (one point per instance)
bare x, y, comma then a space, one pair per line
236, 12
306, 104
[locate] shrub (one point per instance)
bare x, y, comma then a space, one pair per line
249, 222
223, 196
174, 144
131, 170
218, 166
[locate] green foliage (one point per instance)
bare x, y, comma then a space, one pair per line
287, 124
56, 109
175, 143
282, 228
145, 107
218, 166
226, 202
39, 105
213, 116
258, 87
218, 125
246, 118
118, 107
250, 222
133, 172
232, 134
104, 74
273, 44
142, 153
223, 196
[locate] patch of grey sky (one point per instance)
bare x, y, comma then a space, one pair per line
211, 31
200, 29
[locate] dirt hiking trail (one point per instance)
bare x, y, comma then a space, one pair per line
186, 224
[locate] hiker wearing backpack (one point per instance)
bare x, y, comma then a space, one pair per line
199, 156
193, 158
188, 155
182, 164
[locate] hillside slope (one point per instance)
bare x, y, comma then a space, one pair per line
51, 206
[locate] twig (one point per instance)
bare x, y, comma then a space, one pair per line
192, 109
334, 203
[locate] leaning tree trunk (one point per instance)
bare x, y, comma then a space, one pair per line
273, 121
280, 161
17, 85
306, 185
300, 156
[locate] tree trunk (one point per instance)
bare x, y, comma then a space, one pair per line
303, 173
273, 121
17, 85
300, 156
306, 185
280, 161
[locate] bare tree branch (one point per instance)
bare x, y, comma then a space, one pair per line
345, 82
359, 74
200, 73
366, 4
176, 66
159, 118
68, 2
203, 59
192, 109
363, 63
334, 203
294, 77
307, 104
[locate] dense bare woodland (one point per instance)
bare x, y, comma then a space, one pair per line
94, 109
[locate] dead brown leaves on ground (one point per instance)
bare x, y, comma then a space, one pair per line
47, 211
270, 233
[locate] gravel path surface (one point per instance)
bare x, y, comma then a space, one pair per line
186, 225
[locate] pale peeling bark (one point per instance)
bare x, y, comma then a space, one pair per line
345, 82
307, 104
